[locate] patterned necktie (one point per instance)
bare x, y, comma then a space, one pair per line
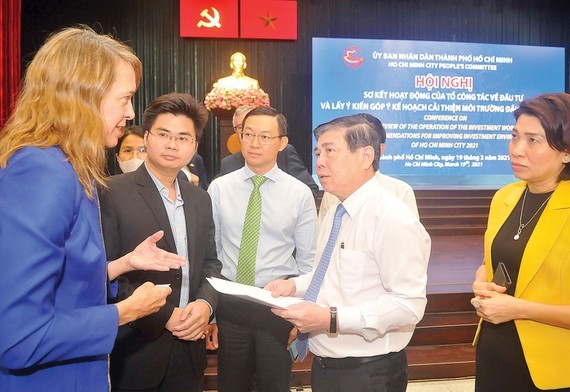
317, 280
250, 235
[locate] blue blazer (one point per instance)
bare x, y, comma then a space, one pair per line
56, 328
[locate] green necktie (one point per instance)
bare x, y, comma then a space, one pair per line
250, 235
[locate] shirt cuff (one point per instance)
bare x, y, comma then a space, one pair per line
348, 319
300, 286
207, 303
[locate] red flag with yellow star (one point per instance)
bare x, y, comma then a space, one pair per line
268, 19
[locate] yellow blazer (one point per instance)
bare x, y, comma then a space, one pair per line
544, 277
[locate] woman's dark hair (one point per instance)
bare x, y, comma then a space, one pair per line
131, 130
553, 112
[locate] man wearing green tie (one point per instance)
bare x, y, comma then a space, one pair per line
265, 230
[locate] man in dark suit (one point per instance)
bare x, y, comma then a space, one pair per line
164, 351
288, 160
196, 167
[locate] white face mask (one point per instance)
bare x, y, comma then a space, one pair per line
131, 165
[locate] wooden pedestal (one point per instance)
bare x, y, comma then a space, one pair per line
225, 130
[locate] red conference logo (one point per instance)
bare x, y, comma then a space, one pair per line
353, 57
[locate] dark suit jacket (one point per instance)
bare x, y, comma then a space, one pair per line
132, 209
196, 166
288, 160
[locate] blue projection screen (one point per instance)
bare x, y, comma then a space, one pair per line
446, 106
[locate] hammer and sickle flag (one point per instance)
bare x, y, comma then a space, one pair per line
268, 19
209, 19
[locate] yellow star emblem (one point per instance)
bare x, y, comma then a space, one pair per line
269, 21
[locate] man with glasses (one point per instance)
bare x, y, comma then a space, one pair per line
265, 229
164, 351
288, 159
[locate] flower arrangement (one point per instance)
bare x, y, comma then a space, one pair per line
228, 99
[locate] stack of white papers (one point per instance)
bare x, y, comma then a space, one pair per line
253, 294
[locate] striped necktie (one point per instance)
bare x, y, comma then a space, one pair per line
250, 235
317, 280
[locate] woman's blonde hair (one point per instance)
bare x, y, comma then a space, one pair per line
60, 101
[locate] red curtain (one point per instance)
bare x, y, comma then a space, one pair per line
10, 25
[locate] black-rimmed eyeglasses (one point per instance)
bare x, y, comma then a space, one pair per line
262, 139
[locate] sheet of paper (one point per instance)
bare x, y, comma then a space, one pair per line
251, 293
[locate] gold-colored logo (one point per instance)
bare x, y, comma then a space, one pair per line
212, 20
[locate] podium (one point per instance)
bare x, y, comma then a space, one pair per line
225, 130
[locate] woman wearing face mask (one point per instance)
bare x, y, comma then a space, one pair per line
131, 152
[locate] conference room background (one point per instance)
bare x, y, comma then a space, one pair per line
284, 68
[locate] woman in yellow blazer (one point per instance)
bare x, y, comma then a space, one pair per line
523, 340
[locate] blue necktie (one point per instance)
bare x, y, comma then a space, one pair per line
317, 280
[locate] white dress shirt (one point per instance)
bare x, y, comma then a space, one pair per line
176, 217
376, 279
398, 188
287, 231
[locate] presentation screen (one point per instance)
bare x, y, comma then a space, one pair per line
447, 107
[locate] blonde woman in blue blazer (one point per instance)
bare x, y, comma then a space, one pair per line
523, 340
56, 329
